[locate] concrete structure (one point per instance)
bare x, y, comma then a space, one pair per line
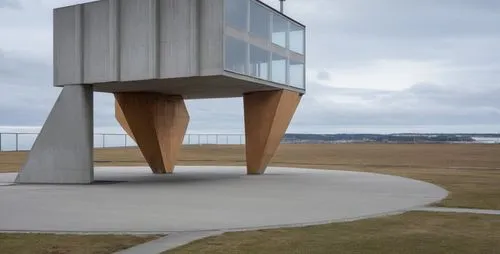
173, 50
207, 198
60, 154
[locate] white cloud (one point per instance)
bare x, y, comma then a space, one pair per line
384, 75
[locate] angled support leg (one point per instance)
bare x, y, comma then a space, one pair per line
267, 116
157, 123
62, 152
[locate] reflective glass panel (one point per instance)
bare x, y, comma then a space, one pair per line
259, 20
296, 74
297, 38
237, 14
236, 55
280, 30
259, 62
278, 69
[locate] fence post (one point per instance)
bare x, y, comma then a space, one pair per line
17, 142
199, 140
189, 139
0, 142
217, 139
125, 135
103, 141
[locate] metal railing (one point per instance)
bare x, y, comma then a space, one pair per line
24, 141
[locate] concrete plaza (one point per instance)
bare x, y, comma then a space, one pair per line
132, 199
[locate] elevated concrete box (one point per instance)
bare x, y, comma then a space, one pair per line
154, 54
193, 48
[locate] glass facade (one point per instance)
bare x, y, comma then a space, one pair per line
280, 30
260, 42
259, 21
236, 12
296, 39
278, 69
236, 55
259, 63
296, 74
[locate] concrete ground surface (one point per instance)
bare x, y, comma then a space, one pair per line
133, 200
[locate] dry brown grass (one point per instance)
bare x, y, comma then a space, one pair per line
409, 233
470, 172
76, 244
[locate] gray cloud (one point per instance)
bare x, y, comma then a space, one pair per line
422, 104
457, 39
13, 4
324, 75
23, 71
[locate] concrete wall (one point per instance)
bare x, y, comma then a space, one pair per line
179, 38
211, 37
62, 152
128, 40
68, 54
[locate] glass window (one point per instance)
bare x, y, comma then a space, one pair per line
278, 69
259, 62
237, 14
296, 74
297, 38
280, 30
259, 20
236, 55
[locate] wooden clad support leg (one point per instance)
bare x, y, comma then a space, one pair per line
120, 117
157, 123
267, 116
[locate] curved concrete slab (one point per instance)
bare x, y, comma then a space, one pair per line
207, 198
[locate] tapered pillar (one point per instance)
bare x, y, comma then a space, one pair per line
157, 123
62, 152
267, 116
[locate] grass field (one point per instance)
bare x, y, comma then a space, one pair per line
410, 233
471, 172
76, 244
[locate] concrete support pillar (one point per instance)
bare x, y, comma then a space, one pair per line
63, 151
267, 116
157, 123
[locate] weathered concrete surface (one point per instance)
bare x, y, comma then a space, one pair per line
457, 210
169, 242
206, 199
62, 153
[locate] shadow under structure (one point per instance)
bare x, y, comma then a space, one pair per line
155, 54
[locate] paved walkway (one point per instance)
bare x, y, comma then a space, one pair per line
168, 242
457, 210
176, 240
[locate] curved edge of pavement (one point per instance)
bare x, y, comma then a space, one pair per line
177, 239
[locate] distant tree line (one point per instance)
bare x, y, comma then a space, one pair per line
384, 138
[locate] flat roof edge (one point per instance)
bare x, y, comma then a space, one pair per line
259, 1
280, 13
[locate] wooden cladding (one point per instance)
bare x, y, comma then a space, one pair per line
157, 123
267, 116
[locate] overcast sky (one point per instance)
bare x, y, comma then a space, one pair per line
373, 66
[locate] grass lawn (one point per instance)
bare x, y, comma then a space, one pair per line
414, 232
51, 243
471, 172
